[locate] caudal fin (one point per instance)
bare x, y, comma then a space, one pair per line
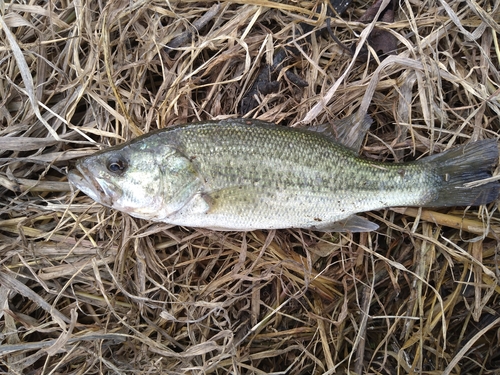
461, 166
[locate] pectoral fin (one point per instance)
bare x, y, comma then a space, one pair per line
231, 198
353, 224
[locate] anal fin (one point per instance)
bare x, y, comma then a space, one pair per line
353, 223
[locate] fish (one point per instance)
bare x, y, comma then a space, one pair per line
243, 175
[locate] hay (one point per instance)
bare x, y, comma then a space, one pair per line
87, 290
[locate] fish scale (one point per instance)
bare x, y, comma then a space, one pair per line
317, 166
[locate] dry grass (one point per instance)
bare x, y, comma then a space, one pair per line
87, 290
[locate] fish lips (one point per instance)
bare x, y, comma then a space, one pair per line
96, 188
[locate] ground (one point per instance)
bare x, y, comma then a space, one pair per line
88, 290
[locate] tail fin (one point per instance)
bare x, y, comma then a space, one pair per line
462, 165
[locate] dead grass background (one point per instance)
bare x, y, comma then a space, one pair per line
86, 290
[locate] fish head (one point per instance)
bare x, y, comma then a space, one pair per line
128, 179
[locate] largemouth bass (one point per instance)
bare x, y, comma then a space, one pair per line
243, 174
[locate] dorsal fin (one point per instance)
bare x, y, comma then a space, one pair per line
349, 131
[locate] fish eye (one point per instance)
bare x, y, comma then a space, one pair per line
116, 165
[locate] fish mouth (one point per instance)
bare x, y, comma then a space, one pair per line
96, 188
